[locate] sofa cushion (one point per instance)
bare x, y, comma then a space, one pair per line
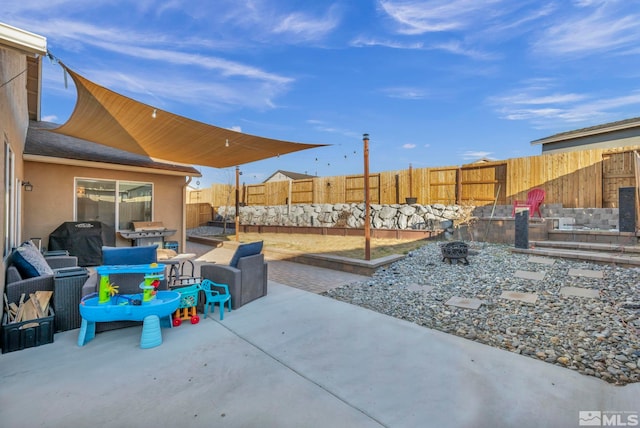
29, 261
129, 255
243, 250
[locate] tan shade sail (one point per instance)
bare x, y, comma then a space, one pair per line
106, 117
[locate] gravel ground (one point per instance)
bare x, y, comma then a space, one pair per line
594, 336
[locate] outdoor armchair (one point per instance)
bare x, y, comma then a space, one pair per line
246, 274
534, 200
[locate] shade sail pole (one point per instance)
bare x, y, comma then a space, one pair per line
367, 208
237, 203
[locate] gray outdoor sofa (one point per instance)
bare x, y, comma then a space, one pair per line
19, 280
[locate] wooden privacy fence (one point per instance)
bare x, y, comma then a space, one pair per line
577, 179
199, 214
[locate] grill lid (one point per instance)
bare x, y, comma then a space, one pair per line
139, 226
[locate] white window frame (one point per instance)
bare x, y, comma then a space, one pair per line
117, 199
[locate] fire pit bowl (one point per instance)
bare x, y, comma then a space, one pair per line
456, 250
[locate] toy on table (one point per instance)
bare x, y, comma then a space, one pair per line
150, 287
153, 273
187, 308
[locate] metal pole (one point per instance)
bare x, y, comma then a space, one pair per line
237, 203
367, 208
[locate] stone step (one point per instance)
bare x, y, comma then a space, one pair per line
621, 259
587, 246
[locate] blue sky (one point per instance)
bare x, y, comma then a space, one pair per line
434, 82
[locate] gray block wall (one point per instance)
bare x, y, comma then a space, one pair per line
588, 218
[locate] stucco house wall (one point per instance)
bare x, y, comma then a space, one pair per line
15, 46
13, 126
52, 202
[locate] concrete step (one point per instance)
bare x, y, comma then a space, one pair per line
588, 246
630, 259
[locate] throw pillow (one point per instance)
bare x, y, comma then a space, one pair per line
245, 250
30, 262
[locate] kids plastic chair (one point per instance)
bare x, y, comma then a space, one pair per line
213, 293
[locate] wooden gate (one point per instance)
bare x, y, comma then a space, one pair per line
198, 214
617, 171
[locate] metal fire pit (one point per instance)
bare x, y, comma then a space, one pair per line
455, 250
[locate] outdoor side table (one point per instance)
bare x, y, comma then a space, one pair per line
176, 268
67, 291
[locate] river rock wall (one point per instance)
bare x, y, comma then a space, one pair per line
394, 216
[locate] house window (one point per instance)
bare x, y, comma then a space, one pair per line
113, 202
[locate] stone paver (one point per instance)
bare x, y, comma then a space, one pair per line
536, 276
588, 273
580, 292
419, 287
541, 260
464, 302
521, 297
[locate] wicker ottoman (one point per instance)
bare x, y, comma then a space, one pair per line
67, 292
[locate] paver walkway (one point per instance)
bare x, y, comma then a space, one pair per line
305, 277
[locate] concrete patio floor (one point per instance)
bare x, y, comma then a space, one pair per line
294, 359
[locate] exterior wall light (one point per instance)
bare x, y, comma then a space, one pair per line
28, 187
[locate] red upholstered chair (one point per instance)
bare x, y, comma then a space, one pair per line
533, 202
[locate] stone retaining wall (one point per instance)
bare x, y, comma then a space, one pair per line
404, 217
590, 218
395, 216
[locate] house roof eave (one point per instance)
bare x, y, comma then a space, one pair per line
104, 165
593, 130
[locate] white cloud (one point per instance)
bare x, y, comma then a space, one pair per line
150, 86
590, 30
408, 146
474, 155
456, 47
50, 118
453, 47
307, 27
322, 126
531, 99
210, 81
366, 42
543, 106
225, 67
405, 93
419, 17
